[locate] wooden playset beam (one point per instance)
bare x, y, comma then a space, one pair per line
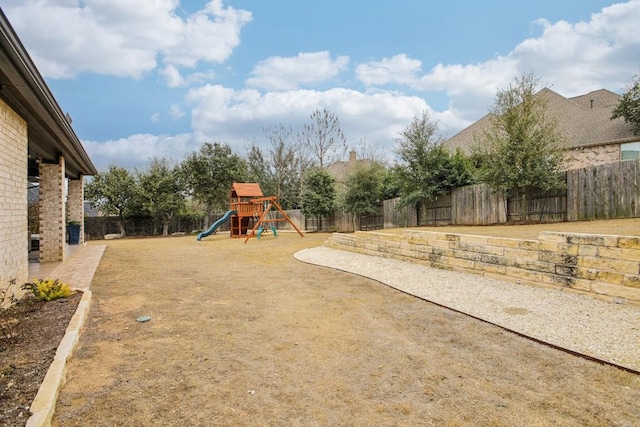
272, 202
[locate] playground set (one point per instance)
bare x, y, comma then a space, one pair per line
251, 213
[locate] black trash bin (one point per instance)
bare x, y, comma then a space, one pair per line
74, 234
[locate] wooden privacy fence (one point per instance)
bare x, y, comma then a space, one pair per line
396, 216
538, 205
596, 192
476, 205
96, 227
435, 212
603, 192
342, 221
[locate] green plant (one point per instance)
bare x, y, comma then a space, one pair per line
7, 298
73, 222
47, 290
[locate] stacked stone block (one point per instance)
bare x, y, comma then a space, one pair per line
14, 237
599, 265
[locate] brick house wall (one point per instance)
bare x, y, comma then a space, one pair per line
592, 156
14, 236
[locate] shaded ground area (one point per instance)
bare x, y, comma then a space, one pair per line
243, 334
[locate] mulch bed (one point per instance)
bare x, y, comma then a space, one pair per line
30, 332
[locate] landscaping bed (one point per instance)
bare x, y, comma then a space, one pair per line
31, 332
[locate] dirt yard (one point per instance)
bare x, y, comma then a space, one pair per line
243, 334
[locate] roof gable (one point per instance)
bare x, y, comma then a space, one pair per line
246, 189
583, 121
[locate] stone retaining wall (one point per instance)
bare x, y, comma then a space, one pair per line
600, 265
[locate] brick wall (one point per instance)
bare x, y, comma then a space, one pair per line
14, 238
604, 266
592, 156
75, 204
52, 212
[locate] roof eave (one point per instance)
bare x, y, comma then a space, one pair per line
52, 133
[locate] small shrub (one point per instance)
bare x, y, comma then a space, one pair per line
7, 296
47, 290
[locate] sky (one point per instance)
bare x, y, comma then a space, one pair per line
158, 78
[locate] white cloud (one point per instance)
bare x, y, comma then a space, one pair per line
397, 69
233, 116
577, 58
209, 35
572, 59
136, 150
288, 73
123, 38
172, 76
177, 112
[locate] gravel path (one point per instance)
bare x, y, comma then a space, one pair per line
579, 323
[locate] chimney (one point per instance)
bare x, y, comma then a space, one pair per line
352, 157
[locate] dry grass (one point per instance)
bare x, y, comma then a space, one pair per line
243, 334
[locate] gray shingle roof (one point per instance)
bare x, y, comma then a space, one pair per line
583, 121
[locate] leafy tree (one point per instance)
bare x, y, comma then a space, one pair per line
194, 211
114, 192
364, 189
286, 164
323, 138
391, 183
162, 191
629, 106
522, 146
259, 170
210, 173
319, 195
426, 170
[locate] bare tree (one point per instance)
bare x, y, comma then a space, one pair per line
285, 163
367, 151
323, 138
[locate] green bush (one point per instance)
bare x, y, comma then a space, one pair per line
47, 290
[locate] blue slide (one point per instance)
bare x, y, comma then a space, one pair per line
216, 224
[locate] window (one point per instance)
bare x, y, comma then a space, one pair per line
630, 151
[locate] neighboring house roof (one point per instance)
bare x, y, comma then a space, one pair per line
340, 171
583, 121
246, 189
23, 88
